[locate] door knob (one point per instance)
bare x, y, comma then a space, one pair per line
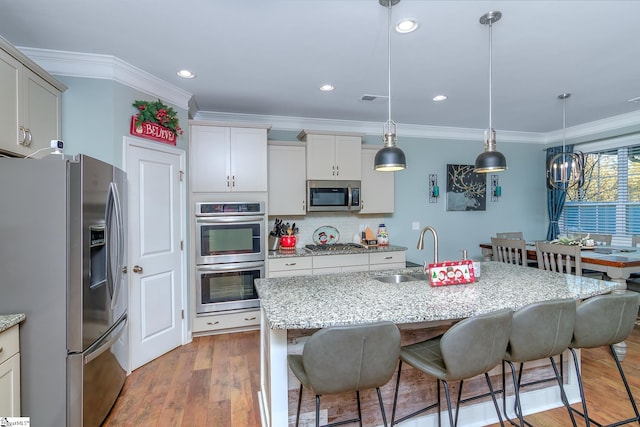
137, 269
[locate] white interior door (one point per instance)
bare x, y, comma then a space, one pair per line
156, 258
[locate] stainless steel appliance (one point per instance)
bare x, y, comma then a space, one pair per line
229, 255
332, 196
229, 232
62, 254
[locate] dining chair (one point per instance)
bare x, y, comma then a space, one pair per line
599, 239
471, 347
348, 358
510, 251
605, 320
511, 235
538, 331
559, 258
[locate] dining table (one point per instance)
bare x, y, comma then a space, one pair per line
617, 262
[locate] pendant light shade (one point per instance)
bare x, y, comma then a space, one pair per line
390, 158
490, 160
565, 170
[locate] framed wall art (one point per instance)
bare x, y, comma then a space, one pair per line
466, 190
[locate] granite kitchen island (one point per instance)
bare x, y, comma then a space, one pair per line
294, 307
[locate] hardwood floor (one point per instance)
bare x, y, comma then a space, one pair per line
214, 381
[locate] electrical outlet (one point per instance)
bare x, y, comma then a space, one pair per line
415, 225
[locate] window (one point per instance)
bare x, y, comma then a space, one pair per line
609, 201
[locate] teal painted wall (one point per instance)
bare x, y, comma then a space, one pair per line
96, 115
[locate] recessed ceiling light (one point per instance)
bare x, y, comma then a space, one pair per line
407, 25
326, 88
186, 74
439, 98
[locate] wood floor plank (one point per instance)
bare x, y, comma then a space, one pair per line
214, 381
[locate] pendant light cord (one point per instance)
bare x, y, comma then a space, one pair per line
490, 71
389, 55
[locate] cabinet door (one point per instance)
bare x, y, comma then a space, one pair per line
41, 113
287, 174
10, 387
248, 159
321, 153
9, 87
377, 191
210, 159
348, 157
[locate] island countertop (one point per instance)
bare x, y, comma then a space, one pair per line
309, 302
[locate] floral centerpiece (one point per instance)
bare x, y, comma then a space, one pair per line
155, 120
585, 241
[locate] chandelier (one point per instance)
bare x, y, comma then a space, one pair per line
565, 170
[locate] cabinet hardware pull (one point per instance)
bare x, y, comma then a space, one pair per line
23, 136
290, 264
388, 257
137, 269
28, 143
228, 181
213, 323
1, 349
250, 318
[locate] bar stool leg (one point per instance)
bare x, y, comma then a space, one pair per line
395, 395
317, 410
299, 403
585, 413
359, 410
384, 416
493, 397
626, 384
563, 396
448, 396
516, 392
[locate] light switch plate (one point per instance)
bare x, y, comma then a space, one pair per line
415, 225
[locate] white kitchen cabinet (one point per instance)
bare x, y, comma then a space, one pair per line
30, 111
332, 156
239, 321
377, 188
228, 159
10, 372
387, 260
326, 264
287, 175
290, 266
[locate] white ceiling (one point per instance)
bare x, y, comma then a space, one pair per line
269, 57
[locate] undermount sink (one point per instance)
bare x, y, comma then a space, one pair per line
400, 278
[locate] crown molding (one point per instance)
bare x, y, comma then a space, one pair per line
93, 66
368, 128
109, 67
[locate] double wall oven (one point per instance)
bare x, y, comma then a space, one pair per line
229, 255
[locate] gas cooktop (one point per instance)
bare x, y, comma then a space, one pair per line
335, 247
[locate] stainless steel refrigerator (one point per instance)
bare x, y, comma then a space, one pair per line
62, 254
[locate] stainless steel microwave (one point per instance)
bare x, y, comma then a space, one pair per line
333, 196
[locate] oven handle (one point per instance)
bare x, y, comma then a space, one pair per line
231, 266
227, 220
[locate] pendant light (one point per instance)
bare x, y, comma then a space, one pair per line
390, 158
490, 160
566, 170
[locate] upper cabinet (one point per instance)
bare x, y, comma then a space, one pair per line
287, 189
30, 112
332, 156
227, 159
377, 188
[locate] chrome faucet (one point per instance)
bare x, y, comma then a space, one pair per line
435, 244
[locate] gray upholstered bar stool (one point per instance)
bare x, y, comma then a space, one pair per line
471, 347
539, 330
342, 359
605, 320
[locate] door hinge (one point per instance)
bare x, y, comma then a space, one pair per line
181, 175
182, 313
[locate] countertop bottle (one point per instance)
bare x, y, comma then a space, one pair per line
383, 236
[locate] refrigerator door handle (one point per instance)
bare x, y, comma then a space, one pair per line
114, 211
108, 219
99, 347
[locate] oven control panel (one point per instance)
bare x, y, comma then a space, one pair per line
226, 208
